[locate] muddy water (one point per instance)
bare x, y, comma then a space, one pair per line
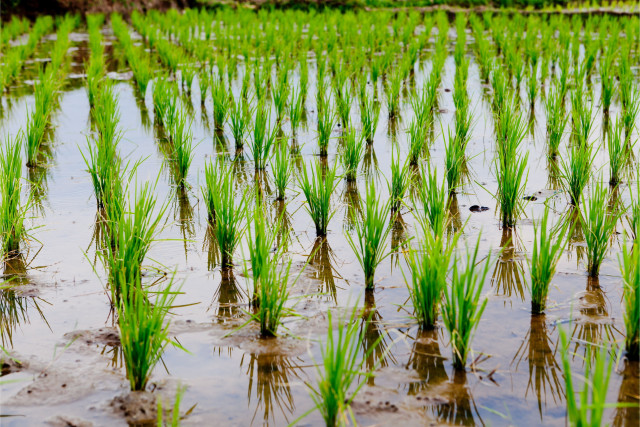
57, 320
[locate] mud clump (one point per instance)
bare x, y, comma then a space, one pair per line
68, 421
9, 365
102, 336
139, 408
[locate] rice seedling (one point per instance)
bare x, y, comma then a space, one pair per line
582, 116
463, 305
428, 267
261, 237
36, 125
175, 412
629, 260
510, 169
326, 122
548, 244
400, 180
607, 80
630, 113
343, 103
586, 407
556, 120
296, 109
598, 226
12, 211
417, 141
144, 332
221, 103
263, 138
226, 211
280, 97
240, 118
369, 114
577, 170
352, 154
617, 152
454, 159
340, 369
318, 185
371, 234
282, 168
182, 140
432, 205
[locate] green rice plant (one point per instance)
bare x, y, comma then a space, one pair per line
341, 367
240, 119
598, 225
371, 233
228, 213
144, 332
429, 265
36, 126
296, 109
261, 237
582, 116
204, 81
607, 79
273, 293
12, 211
629, 261
213, 170
577, 170
182, 140
326, 122
510, 169
432, 204
343, 103
548, 244
175, 413
617, 152
369, 114
280, 97
400, 180
586, 407
463, 305
392, 92
454, 161
417, 141
221, 103
630, 113
282, 168
318, 185
352, 154
263, 137
532, 84
556, 119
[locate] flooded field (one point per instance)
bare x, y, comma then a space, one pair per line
315, 80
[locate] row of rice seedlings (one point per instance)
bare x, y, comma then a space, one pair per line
59, 63
317, 184
224, 209
13, 211
12, 29
95, 68
549, 242
14, 58
102, 158
137, 58
510, 166
598, 225
371, 235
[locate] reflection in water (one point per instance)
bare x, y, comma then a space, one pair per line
576, 236
14, 308
220, 141
321, 261
398, 237
183, 215
593, 324
228, 297
554, 175
271, 375
212, 248
353, 206
427, 361
378, 355
285, 231
507, 277
460, 406
370, 163
262, 185
455, 220
545, 376
629, 395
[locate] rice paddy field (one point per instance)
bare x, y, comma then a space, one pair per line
239, 217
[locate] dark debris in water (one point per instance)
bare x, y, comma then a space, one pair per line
478, 208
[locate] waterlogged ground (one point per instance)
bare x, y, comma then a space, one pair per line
57, 320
